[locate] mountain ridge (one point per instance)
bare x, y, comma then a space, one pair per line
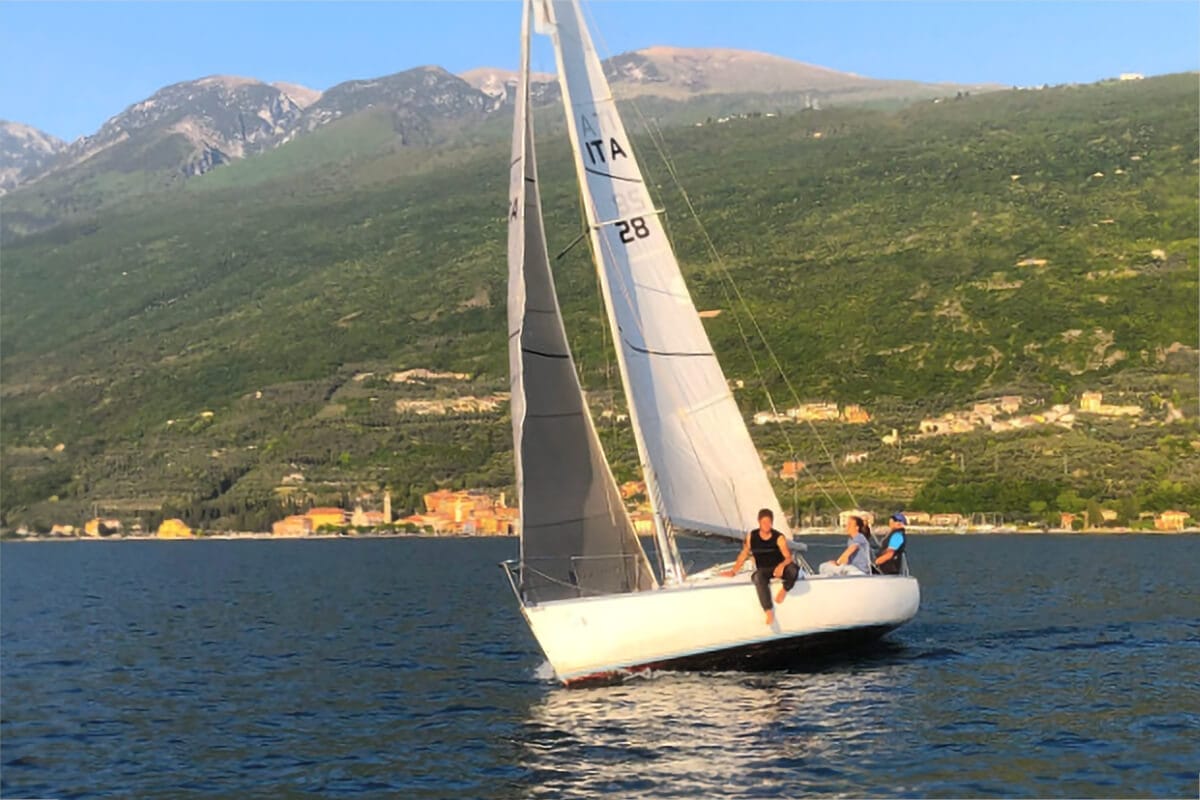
190, 127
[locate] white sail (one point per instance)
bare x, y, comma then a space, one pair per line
701, 468
576, 536
703, 472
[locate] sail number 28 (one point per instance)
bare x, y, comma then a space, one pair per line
632, 229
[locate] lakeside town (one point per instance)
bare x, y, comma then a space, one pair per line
479, 512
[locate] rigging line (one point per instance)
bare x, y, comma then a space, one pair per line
583, 590
571, 246
762, 379
728, 277
579, 370
605, 344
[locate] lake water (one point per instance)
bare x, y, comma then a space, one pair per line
1061, 666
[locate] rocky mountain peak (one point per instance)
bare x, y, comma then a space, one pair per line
684, 71
300, 95
211, 121
188, 127
419, 100
24, 151
227, 82
499, 83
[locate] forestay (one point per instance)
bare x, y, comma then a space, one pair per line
702, 469
576, 536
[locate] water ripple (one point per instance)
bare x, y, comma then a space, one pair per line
402, 668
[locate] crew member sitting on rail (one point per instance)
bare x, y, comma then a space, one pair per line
890, 561
772, 559
856, 558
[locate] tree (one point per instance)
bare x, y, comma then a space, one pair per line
1069, 501
1127, 510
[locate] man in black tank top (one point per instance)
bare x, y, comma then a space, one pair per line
772, 559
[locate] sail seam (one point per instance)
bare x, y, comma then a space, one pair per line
667, 353
614, 177
527, 351
628, 217
559, 522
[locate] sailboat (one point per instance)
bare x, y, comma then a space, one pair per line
595, 603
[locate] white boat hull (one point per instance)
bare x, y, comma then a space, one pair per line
715, 622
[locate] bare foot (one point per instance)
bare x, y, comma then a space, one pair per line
770, 617
780, 596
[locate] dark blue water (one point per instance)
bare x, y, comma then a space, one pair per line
1038, 666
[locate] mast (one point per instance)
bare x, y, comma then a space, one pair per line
516, 254
668, 552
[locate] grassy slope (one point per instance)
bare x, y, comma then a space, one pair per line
871, 255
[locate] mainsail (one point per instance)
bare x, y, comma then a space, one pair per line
576, 536
702, 470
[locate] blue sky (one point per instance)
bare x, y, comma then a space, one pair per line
66, 67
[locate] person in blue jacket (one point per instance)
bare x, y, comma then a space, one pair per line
890, 560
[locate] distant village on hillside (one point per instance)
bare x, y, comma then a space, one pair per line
484, 512
997, 416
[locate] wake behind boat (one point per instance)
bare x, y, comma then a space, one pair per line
584, 583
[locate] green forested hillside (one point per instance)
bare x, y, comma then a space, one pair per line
1038, 243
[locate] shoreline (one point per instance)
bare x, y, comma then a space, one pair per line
808, 532
926, 531
251, 536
